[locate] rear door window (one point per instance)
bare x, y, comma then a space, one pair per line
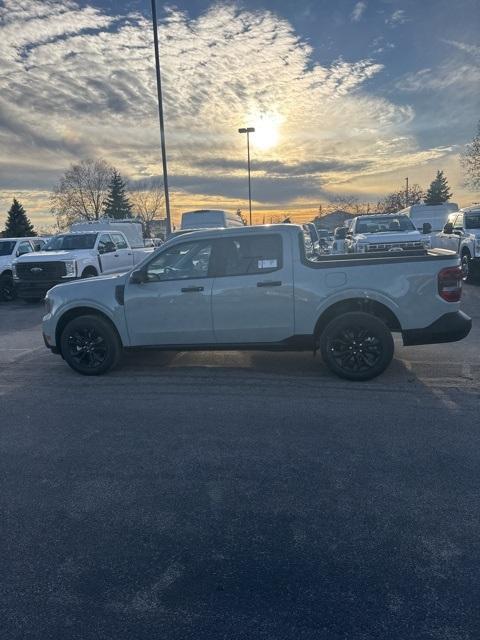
251, 254
119, 241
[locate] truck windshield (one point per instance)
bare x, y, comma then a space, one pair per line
71, 242
6, 248
472, 221
382, 224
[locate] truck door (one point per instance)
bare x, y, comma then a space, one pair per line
252, 296
173, 305
107, 250
123, 253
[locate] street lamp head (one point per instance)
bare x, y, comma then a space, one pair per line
247, 130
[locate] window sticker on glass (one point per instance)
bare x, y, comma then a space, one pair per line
267, 264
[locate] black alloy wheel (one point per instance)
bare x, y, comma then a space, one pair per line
90, 345
357, 346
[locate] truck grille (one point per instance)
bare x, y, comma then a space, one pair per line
39, 271
404, 246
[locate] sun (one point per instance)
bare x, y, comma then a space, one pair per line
267, 131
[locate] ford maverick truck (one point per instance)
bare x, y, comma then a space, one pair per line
256, 288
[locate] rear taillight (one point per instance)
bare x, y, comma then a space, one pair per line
450, 284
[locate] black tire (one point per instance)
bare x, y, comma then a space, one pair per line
89, 273
467, 275
357, 346
90, 345
7, 289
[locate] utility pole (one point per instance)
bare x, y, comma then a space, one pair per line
160, 116
406, 192
248, 131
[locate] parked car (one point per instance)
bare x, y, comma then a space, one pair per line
312, 241
389, 232
256, 288
462, 234
339, 239
209, 218
10, 249
70, 256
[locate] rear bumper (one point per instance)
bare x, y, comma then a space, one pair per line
450, 327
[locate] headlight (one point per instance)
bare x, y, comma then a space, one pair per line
70, 269
361, 248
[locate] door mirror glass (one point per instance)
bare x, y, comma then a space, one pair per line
138, 277
426, 228
448, 228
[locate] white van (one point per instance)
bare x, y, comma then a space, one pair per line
210, 219
435, 215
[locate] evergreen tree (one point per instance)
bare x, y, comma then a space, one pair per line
117, 204
18, 225
439, 191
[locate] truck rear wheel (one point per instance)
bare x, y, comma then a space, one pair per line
357, 346
90, 345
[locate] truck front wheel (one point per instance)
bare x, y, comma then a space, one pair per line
90, 345
357, 346
7, 289
466, 267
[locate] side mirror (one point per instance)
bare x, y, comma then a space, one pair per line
139, 276
448, 228
426, 228
341, 233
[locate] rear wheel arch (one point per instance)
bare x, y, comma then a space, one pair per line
364, 305
77, 312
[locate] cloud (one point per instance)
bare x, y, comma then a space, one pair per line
358, 11
398, 17
77, 82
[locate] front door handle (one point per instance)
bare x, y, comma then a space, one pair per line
269, 283
192, 289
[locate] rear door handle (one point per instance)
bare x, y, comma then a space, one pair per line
269, 283
192, 289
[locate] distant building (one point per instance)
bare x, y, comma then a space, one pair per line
333, 220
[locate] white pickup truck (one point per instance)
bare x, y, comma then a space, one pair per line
379, 233
256, 288
462, 234
71, 256
10, 249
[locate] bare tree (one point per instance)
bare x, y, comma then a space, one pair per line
471, 163
397, 200
147, 202
81, 192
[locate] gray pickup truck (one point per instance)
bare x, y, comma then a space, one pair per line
256, 288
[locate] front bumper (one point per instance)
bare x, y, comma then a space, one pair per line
27, 289
450, 327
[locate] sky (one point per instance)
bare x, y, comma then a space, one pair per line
347, 98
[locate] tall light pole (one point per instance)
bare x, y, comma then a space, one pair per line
160, 115
406, 192
248, 131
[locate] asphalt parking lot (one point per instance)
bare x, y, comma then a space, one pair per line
238, 495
